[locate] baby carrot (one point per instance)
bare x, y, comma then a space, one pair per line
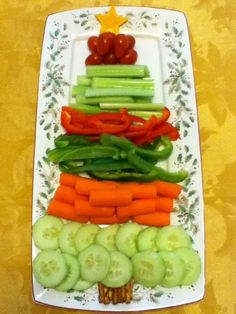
65, 211
164, 204
68, 179
83, 208
167, 188
108, 220
137, 207
85, 185
157, 219
140, 190
67, 194
117, 197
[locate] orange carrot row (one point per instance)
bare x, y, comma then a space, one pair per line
106, 202
140, 190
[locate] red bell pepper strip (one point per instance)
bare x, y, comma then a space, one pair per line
76, 122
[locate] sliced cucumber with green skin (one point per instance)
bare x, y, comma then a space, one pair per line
50, 268
46, 231
107, 237
94, 263
192, 263
86, 236
147, 239
126, 238
175, 269
120, 271
73, 273
148, 268
67, 237
172, 237
82, 285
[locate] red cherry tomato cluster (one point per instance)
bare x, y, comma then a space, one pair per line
108, 48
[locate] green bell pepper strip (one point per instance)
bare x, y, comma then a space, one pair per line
127, 145
107, 164
139, 163
154, 153
156, 173
66, 140
80, 153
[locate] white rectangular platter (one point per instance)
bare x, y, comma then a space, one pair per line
162, 43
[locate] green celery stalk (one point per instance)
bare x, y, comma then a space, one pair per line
145, 114
100, 92
87, 108
132, 106
96, 100
117, 70
78, 90
83, 80
105, 82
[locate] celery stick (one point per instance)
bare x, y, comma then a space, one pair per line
142, 99
100, 92
83, 80
117, 70
132, 106
97, 100
78, 90
105, 82
146, 114
87, 108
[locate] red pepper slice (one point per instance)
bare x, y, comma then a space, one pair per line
164, 129
76, 122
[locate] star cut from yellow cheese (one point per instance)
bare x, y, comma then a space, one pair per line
111, 22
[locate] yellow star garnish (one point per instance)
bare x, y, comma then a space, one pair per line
110, 22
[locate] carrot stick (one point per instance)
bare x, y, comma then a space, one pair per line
164, 204
167, 188
83, 208
85, 185
65, 211
67, 194
117, 197
68, 179
108, 220
157, 219
140, 190
137, 207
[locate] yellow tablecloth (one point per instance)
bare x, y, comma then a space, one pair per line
212, 26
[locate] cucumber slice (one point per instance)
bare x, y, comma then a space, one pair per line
120, 271
172, 237
67, 238
175, 269
50, 268
147, 239
73, 273
94, 263
82, 285
86, 236
126, 238
107, 237
46, 231
148, 268
192, 263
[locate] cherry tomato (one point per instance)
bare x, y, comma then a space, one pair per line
129, 58
131, 41
93, 59
105, 42
92, 43
121, 45
110, 58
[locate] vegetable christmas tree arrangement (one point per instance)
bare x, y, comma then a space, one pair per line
115, 135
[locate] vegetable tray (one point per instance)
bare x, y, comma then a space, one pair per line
162, 43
